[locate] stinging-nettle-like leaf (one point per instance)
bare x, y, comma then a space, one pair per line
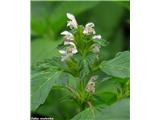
118, 66
41, 85
117, 111
43, 81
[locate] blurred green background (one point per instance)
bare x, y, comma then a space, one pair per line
48, 20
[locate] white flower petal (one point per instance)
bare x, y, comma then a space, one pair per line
70, 16
69, 43
93, 78
90, 24
85, 31
72, 23
89, 29
62, 51
66, 33
74, 50
67, 36
69, 23
91, 84
96, 48
97, 37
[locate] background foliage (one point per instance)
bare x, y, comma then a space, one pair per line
111, 19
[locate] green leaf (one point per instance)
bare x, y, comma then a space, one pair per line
110, 86
106, 92
104, 98
101, 42
85, 68
58, 99
117, 111
43, 49
41, 84
118, 66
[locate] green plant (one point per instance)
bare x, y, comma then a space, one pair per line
99, 89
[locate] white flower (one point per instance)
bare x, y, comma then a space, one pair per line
91, 87
72, 50
69, 43
96, 48
68, 38
64, 55
68, 52
97, 37
67, 35
91, 84
72, 23
89, 29
63, 52
94, 78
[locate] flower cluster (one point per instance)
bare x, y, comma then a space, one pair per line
71, 49
69, 39
90, 88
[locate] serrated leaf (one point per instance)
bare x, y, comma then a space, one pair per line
117, 111
118, 66
41, 84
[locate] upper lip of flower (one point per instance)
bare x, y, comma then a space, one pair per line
66, 33
68, 38
63, 52
98, 37
89, 29
90, 24
72, 23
